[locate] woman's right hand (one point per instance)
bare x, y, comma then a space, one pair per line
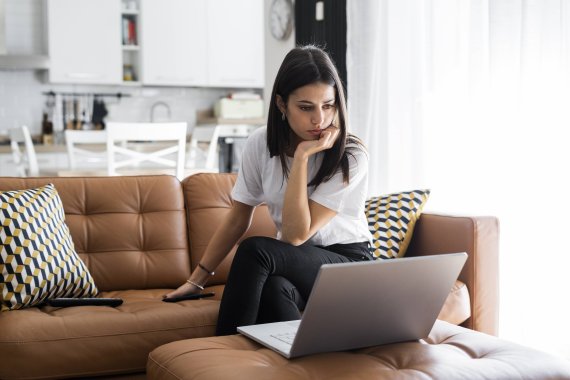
326, 141
183, 290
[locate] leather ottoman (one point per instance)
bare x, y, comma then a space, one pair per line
450, 352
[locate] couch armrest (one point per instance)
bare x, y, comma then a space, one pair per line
479, 237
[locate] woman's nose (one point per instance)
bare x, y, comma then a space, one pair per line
318, 118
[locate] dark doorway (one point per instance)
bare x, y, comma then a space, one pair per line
330, 32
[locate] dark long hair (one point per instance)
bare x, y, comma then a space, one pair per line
302, 66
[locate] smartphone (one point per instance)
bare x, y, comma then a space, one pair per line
188, 297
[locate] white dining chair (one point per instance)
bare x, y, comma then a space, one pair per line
86, 149
129, 146
23, 152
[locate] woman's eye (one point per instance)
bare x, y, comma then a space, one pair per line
310, 108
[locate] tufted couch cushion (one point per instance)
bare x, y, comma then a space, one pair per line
129, 231
450, 352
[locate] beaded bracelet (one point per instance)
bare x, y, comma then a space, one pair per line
195, 284
210, 272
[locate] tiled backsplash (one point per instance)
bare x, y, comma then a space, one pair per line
22, 102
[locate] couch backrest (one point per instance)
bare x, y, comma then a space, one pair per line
208, 201
130, 231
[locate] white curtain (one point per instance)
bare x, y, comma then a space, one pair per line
471, 98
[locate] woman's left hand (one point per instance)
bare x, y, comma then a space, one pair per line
326, 141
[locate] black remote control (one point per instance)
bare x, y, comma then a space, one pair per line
188, 297
67, 302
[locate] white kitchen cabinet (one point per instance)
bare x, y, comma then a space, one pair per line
235, 43
175, 48
84, 38
202, 43
209, 43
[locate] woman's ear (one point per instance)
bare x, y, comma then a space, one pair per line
280, 104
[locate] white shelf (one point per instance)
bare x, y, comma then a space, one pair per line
131, 14
132, 83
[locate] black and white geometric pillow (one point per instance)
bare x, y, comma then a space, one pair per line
37, 256
391, 220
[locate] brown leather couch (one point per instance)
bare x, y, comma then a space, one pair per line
141, 236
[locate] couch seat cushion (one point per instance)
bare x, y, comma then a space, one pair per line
48, 342
450, 352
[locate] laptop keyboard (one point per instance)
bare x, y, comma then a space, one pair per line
287, 337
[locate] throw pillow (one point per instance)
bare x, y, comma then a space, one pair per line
37, 256
391, 220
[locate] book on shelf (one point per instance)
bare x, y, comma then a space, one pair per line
129, 31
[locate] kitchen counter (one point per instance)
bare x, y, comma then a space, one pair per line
62, 148
39, 148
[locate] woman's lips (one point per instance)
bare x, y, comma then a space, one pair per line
316, 132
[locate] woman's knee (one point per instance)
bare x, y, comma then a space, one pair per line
255, 248
255, 243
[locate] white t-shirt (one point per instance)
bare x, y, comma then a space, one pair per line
260, 180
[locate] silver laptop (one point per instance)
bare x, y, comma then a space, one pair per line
363, 304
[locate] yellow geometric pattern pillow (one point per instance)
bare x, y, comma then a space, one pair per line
37, 256
391, 220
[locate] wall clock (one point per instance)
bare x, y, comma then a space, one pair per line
281, 19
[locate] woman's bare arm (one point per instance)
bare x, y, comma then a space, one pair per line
226, 236
301, 217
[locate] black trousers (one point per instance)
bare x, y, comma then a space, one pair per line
270, 281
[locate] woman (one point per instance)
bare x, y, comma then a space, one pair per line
313, 177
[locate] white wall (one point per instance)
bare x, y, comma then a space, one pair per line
275, 51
